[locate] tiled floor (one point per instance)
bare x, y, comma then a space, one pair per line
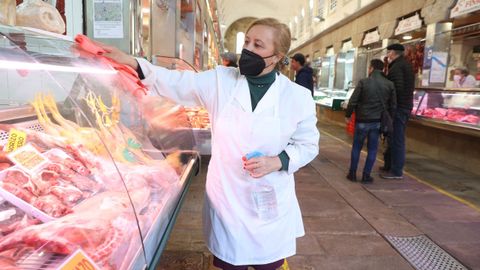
346, 222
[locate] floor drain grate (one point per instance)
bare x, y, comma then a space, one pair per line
424, 254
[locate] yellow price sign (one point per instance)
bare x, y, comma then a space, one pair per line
78, 261
16, 139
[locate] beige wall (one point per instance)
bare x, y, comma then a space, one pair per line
382, 14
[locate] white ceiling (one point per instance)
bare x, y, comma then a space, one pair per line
283, 10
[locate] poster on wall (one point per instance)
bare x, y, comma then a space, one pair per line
107, 19
438, 70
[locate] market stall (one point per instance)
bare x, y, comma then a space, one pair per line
446, 110
90, 168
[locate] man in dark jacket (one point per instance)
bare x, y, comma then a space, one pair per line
369, 99
400, 72
304, 74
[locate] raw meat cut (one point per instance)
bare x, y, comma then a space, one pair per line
69, 195
4, 166
70, 163
19, 192
51, 205
470, 118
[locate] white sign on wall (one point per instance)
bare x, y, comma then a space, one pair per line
438, 70
371, 37
464, 6
107, 19
408, 24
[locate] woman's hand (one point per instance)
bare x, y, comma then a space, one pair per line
118, 55
261, 166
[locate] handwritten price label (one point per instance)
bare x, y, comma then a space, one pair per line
78, 261
16, 139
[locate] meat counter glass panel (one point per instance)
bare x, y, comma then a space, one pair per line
197, 116
87, 162
459, 107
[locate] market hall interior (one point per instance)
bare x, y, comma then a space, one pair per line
102, 168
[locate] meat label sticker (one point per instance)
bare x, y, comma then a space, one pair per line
78, 261
16, 139
28, 159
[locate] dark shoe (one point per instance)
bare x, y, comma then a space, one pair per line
384, 168
367, 179
352, 176
391, 176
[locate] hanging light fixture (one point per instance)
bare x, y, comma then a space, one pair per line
407, 37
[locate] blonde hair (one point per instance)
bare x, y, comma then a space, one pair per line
283, 38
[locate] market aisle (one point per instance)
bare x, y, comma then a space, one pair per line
345, 222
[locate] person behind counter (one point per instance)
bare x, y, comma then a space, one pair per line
229, 59
253, 109
463, 79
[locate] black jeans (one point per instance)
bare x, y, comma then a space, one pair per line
394, 156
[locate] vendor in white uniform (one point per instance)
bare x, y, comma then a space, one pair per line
251, 213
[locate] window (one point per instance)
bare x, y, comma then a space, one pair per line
329, 51
240, 41
333, 4
321, 8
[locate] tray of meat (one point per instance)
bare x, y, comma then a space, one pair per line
52, 192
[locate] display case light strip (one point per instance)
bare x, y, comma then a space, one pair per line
6, 64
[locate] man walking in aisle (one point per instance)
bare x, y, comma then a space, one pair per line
303, 73
400, 72
372, 96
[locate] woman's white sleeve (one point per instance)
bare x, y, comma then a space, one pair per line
303, 146
184, 87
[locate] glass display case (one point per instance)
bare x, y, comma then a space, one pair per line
89, 168
325, 67
197, 116
451, 107
334, 98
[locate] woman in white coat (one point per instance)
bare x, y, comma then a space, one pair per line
263, 130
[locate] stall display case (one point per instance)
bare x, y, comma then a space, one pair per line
197, 116
325, 94
89, 168
451, 108
334, 98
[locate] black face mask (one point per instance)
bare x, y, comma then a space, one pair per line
251, 64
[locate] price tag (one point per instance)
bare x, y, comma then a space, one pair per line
28, 159
16, 139
78, 261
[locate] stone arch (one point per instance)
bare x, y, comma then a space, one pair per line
230, 36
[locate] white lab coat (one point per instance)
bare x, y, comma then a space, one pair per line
284, 119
